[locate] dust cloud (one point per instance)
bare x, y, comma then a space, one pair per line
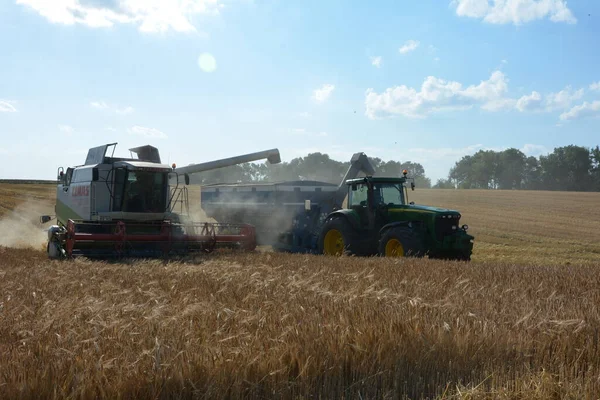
196, 213
20, 227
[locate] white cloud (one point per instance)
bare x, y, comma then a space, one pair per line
304, 114
376, 61
595, 86
552, 102
322, 94
101, 105
66, 129
529, 102
515, 11
584, 110
124, 111
436, 95
149, 15
534, 149
562, 99
147, 132
7, 106
409, 46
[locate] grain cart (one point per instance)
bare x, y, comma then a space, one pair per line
273, 207
308, 216
114, 206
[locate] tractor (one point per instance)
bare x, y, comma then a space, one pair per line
378, 220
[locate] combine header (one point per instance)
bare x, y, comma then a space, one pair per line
125, 207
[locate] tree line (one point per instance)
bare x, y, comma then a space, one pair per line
315, 166
573, 168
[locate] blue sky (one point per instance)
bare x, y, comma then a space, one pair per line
425, 81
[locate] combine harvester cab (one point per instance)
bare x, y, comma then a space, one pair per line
124, 207
310, 217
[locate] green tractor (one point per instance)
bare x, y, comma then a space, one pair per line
379, 221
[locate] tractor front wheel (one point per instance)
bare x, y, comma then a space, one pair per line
400, 242
337, 238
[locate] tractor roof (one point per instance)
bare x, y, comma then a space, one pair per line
376, 179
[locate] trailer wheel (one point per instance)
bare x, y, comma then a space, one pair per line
337, 238
400, 242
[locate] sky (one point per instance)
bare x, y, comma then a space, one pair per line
427, 81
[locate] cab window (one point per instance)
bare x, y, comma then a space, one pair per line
358, 197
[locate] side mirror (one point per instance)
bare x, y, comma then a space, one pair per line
186, 177
45, 218
307, 205
354, 187
412, 186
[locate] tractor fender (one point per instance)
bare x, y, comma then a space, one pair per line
346, 214
410, 224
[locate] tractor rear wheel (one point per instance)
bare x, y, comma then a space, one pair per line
400, 242
337, 238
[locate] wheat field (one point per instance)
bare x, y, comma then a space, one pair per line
519, 322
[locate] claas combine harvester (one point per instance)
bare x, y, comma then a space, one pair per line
126, 207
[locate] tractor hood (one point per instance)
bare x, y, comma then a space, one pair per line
423, 209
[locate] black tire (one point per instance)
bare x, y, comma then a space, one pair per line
348, 235
409, 240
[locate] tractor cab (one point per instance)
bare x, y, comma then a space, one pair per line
376, 192
371, 197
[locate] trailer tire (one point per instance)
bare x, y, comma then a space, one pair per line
400, 242
337, 238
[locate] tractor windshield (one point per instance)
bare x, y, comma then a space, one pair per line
145, 191
390, 194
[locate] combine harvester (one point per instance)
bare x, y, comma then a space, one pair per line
124, 207
310, 217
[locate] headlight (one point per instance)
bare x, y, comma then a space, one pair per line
465, 227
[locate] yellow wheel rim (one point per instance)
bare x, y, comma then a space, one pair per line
333, 245
393, 248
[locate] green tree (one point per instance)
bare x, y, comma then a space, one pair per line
444, 184
532, 174
395, 168
461, 173
595, 170
510, 169
567, 168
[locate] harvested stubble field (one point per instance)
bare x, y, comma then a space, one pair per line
521, 321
